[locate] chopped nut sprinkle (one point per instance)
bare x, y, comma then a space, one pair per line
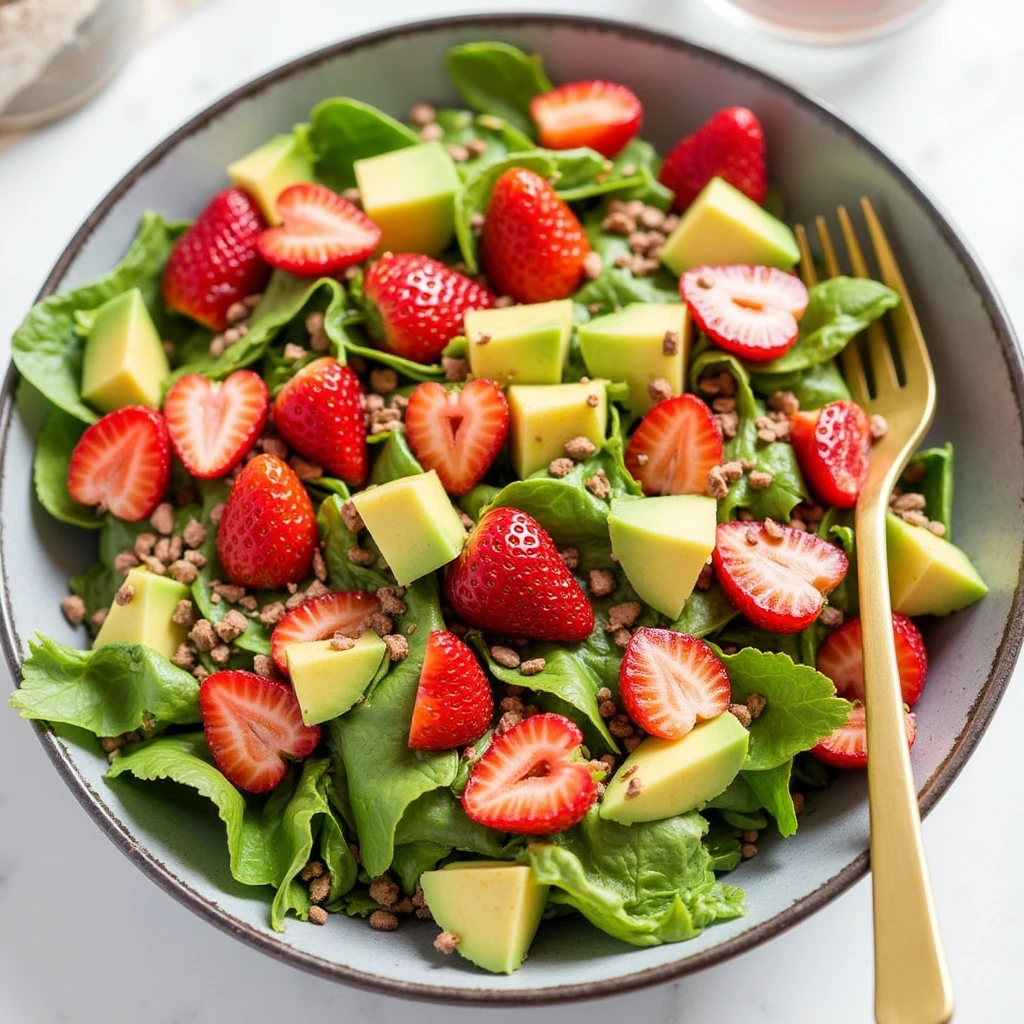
125, 594
203, 636
741, 713
659, 389
830, 617
602, 582
756, 704
784, 401
718, 484
361, 556
384, 890
598, 485
446, 943
560, 467
317, 915
579, 448
634, 789
73, 608
340, 642
532, 666
571, 557
263, 665
759, 480
350, 516
623, 615
397, 645
505, 656
455, 370
233, 625
593, 265
162, 519
220, 655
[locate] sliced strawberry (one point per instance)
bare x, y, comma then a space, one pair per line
841, 659
267, 534
346, 612
454, 704
510, 579
833, 445
601, 115
122, 463
319, 412
532, 780
669, 682
213, 425
776, 576
675, 446
847, 746
253, 728
729, 145
458, 432
215, 263
321, 233
751, 312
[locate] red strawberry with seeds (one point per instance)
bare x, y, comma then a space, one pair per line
212, 424
458, 432
751, 312
847, 746
511, 580
601, 115
321, 234
122, 463
833, 445
215, 263
675, 446
532, 780
532, 245
841, 659
319, 412
670, 681
728, 145
415, 304
319, 618
267, 534
253, 728
775, 575
454, 704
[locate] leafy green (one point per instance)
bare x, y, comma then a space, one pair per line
59, 435
936, 485
395, 458
705, 612
410, 860
814, 387
474, 502
722, 846
96, 587
495, 78
837, 526
737, 797
772, 790
461, 128
646, 883
108, 691
337, 540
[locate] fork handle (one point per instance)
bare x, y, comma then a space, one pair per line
912, 983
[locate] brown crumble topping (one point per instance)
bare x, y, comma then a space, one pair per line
671, 343
162, 519
707, 574
505, 656
579, 448
635, 788
915, 518
391, 602
728, 423
340, 642
432, 132
910, 502
125, 560
403, 906
397, 645
620, 726
939, 529
455, 370
748, 850
560, 467
623, 615
723, 404
458, 153
631, 770
759, 480
320, 887
317, 915
144, 544
718, 485
305, 470
774, 530
233, 625
749, 835
203, 635
422, 114
361, 556
756, 705
509, 720
741, 713
196, 558
607, 708
570, 556
154, 565
602, 582
598, 485
798, 802
350, 516
383, 380
73, 608
200, 673
532, 666
593, 401
184, 656
446, 943
263, 665
216, 514
97, 618
380, 623
125, 594
384, 890
604, 694
722, 383
659, 389
272, 614
184, 572
220, 655
745, 515
593, 265
915, 472
784, 401
830, 617
294, 352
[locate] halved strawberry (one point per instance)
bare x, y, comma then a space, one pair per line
601, 115
675, 446
320, 618
454, 704
751, 312
321, 234
841, 659
253, 728
847, 746
122, 463
833, 445
670, 681
532, 780
213, 425
458, 432
776, 578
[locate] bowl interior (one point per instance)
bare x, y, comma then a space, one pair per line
817, 162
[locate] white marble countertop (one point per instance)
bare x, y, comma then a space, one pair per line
86, 938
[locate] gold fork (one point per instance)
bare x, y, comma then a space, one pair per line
911, 980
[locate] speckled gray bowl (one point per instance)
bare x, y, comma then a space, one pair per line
818, 161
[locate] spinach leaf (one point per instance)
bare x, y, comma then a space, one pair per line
705, 612
474, 503
737, 797
354, 345
837, 526
59, 435
395, 458
722, 846
410, 860
337, 540
646, 883
814, 387
108, 691
936, 483
495, 78
462, 128
772, 790
96, 587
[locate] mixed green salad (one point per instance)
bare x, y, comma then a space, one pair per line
474, 510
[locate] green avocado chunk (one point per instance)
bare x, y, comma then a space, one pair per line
525, 344
327, 682
146, 617
927, 574
663, 778
493, 908
266, 172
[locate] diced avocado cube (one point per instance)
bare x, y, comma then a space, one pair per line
146, 617
639, 344
327, 681
662, 544
663, 778
413, 523
124, 361
927, 574
410, 195
544, 416
266, 172
723, 226
520, 344
492, 907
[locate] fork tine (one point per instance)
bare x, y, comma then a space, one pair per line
807, 272
828, 252
883, 367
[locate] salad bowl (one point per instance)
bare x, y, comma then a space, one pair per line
817, 161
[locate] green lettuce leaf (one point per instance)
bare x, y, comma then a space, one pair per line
722, 846
394, 459
410, 860
337, 540
59, 435
814, 387
107, 691
705, 612
462, 127
936, 485
772, 790
837, 526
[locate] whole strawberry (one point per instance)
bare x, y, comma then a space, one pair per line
511, 580
267, 534
728, 145
319, 413
215, 263
415, 304
532, 245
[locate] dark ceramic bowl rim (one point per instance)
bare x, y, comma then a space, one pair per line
978, 718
